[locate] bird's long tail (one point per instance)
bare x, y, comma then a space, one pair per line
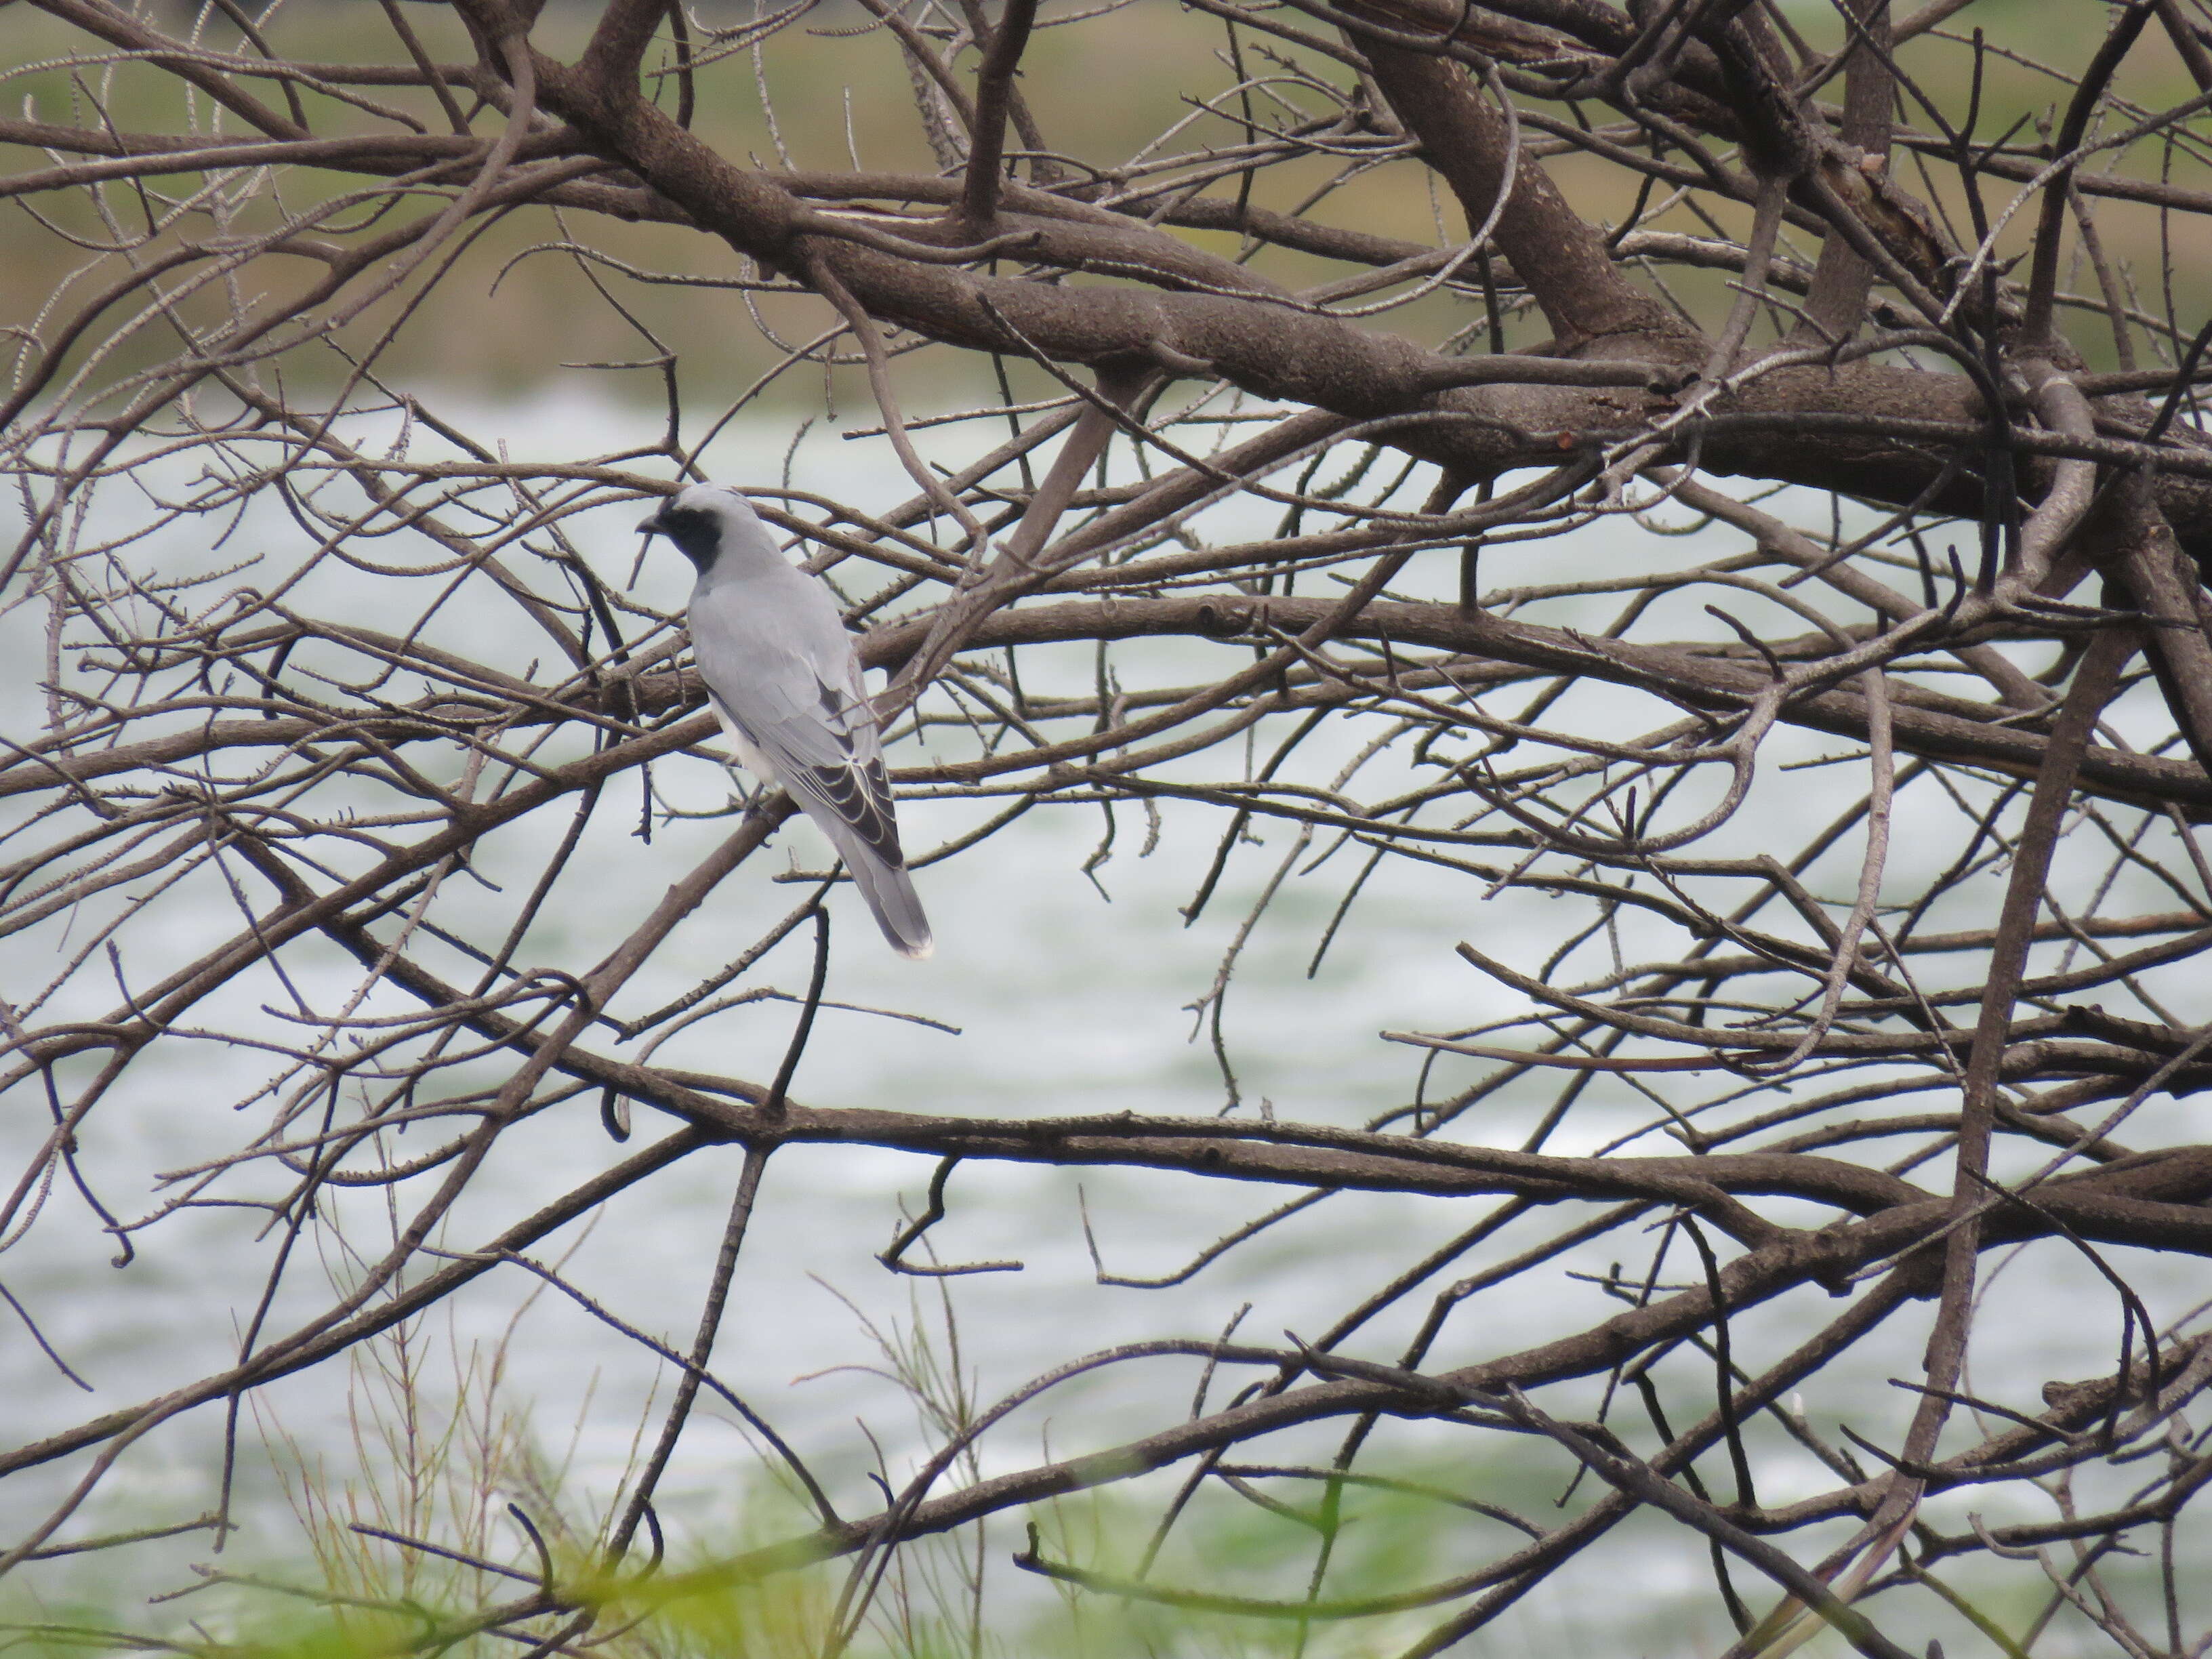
889, 891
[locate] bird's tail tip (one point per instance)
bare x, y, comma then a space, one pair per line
920, 950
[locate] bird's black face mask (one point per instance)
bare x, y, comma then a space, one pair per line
697, 535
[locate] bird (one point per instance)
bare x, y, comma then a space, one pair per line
782, 675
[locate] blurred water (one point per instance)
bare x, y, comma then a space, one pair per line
1070, 996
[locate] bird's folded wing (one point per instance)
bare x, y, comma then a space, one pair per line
830, 758
806, 711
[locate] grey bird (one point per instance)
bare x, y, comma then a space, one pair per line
781, 673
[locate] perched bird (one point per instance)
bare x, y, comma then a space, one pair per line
780, 673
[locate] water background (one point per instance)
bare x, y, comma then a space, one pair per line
1071, 996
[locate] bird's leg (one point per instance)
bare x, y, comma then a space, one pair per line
751, 796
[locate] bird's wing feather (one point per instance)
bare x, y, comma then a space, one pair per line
795, 695
831, 758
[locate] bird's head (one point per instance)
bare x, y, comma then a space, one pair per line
699, 519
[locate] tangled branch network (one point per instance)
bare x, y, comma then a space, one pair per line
1669, 541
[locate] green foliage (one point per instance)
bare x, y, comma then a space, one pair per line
448, 1455
711, 1606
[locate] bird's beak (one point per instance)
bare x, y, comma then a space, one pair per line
651, 525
